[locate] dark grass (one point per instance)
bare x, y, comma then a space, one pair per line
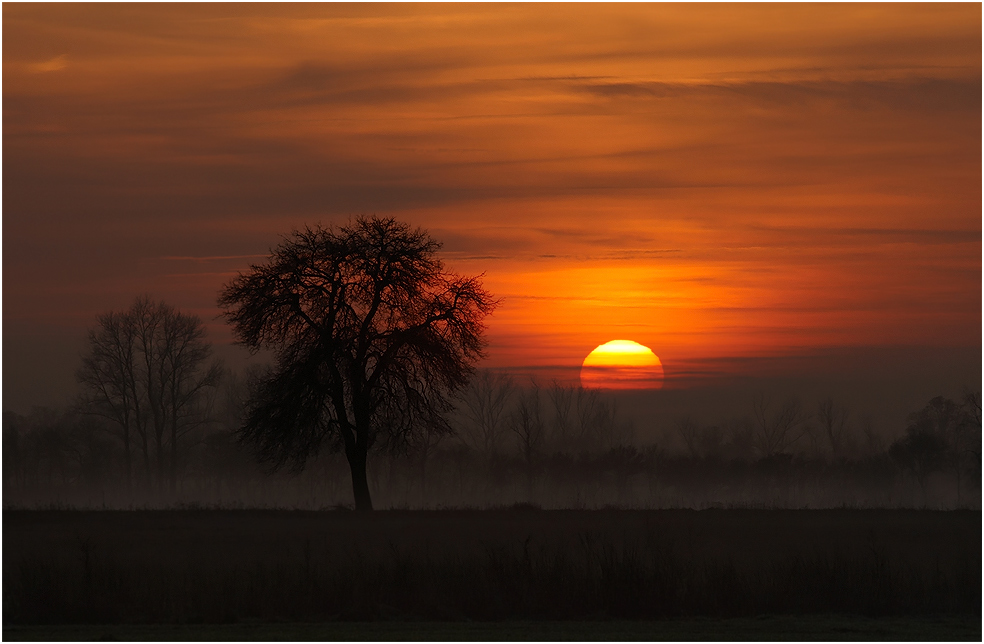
199, 572
776, 628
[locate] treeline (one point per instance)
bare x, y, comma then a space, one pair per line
158, 424
553, 446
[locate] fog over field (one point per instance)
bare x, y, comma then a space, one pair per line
700, 446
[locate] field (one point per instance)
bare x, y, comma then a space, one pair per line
495, 574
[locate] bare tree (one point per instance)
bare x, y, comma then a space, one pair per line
424, 446
485, 401
146, 372
777, 427
108, 378
182, 401
711, 441
972, 403
942, 435
922, 450
561, 400
526, 422
873, 441
689, 431
833, 424
700, 441
970, 439
613, 433
587, 408
741, 437
373, 337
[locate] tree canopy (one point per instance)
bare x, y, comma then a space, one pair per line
373, 336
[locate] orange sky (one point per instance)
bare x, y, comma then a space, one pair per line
711, 181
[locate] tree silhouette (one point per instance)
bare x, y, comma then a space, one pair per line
940, 435
561, 400
777, 427
484, 404
833, 423
689, 431
145, 371
526, 422
372, 335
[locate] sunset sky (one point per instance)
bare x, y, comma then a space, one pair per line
715, 182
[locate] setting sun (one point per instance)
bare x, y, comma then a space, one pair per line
622, 364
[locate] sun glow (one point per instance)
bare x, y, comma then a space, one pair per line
622, 364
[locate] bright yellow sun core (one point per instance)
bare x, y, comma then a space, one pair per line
622, 364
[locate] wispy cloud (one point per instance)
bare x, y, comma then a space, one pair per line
924, 94
212, 258
55, 64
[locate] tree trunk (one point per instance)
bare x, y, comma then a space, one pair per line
161, 468
423, 474
958, 486
360, 484
145, 448
127, 460
174, 452
529, 480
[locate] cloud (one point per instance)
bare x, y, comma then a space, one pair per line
919, 94
814, 235
212, 258
55, 64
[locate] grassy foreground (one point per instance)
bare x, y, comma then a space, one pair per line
788, 628
480, 575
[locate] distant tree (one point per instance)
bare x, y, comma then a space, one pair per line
711, 441
623, 462
612, 432
588, 408
146, 371
777, 427
91, 451
110, 385
873, 441
526, 422
13, 455
919, 452
423, 447
51, 448
372, 335
48, 442
689, 431
561, 401
971, 438
741, 438
939, 436
484, 404
833, 424
701, 442
972, 404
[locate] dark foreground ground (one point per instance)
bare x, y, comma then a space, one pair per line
781, 627
481, 575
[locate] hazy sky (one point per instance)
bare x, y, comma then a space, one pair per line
716, 182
